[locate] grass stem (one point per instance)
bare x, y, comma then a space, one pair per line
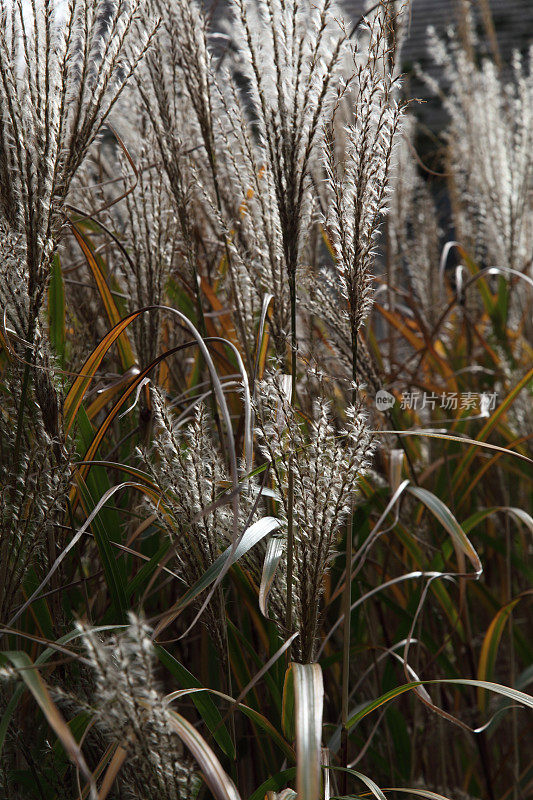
347, 603
290, 477
22, 404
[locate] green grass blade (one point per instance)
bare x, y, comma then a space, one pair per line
274, 783
372, 785
489, 648
462, 468
104, 536
460, 541
204, 705
505, 691
231, 555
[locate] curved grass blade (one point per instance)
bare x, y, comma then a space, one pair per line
218, 389
264, 669
360, 600
250, 537
489, 648
273, 555
105, 395
78, 389
420, 793
215, 777
262, 339
461, 543
252, 714
377, 530
519, 513
135, 472
447, 436
204, 705
29, 673
246, 397
75, 539
372, 785
505, 691
96, 266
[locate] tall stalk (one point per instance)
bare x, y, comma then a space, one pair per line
25, 385
347, 604
290, 476
22, 403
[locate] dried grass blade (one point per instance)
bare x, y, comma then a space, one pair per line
112, 771
216, 778
474, 442
126, 353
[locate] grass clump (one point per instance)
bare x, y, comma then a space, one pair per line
265, 450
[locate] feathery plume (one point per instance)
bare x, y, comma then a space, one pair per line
58, 84
191, 476
490, 146
131, 708
327, 465
357, 164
